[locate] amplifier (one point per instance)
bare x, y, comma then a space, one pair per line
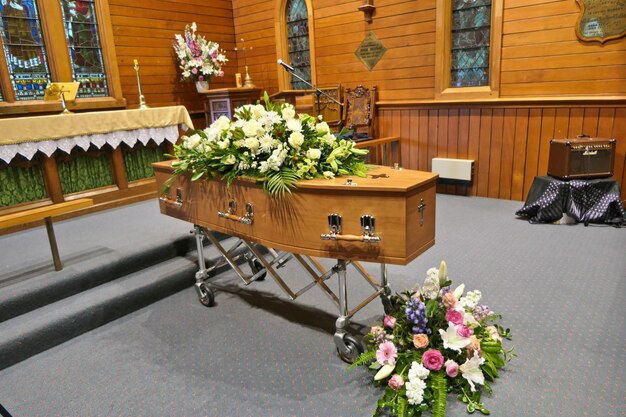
583, 157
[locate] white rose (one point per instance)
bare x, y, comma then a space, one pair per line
288, 112
329, 139
192, 141
313, 154
252, 143
322, 127
229, 160
251, 128
294, 125
296, 139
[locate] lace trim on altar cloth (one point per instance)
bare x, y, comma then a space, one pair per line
129, 137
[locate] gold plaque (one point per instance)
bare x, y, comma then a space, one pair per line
601, 20
370, 51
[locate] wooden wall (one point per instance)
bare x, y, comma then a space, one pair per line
145, 29
542, 63
508, 142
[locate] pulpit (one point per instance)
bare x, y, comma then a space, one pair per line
224, 101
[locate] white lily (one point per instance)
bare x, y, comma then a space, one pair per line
443, 273
471, 371
451, 338
384, 372
458, 292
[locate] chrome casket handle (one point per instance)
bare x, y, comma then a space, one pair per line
367, 227
232, 209
176, 203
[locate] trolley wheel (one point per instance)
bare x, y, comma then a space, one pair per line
256, 266
207, 296
355, 348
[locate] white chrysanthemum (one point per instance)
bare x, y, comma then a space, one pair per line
288, 112
294, 125
313, 153
418, 371
266, 143
415, 391
471, 299
471, 371
296, 139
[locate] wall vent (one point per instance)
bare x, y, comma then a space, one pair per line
453, 169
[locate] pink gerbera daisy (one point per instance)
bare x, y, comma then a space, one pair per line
386, 353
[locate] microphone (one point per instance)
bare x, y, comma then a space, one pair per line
286, 66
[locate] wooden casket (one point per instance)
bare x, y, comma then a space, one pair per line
401, 202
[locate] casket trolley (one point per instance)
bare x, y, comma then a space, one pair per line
387, 217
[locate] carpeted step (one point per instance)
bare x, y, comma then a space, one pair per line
32, 293
53, 324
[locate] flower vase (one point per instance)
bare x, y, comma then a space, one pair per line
202, 86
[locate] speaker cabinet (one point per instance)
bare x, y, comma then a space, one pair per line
583, 157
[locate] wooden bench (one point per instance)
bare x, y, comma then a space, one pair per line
46, 213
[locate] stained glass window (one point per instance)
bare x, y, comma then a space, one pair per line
24, 48
471, 26
81, 29
298, 40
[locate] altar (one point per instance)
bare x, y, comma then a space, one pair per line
103, 155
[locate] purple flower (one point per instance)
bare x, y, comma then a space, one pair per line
416, 315
481, 311
432, 359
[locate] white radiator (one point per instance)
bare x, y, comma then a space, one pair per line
453, 169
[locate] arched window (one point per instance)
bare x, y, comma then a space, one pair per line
297, 19
47, 41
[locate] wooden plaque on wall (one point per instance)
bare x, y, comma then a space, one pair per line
601, 20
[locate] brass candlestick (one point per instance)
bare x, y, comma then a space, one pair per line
248, 80
142, 100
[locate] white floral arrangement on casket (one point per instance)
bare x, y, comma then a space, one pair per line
269, 143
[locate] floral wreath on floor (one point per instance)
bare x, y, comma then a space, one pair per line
198, 58
434, 341
269, 143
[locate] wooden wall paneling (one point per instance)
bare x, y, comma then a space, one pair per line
413, 140
575, 122
590, 121
405, 138
619, 133
422, 140
484, 152
532, 148
453, 137
606, 118
442, 141
519, 154
508, 148
474, 145
546, 135
561, 123
433, 135
495, 154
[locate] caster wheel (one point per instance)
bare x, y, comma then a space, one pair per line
256, 266
207, 296
355, 348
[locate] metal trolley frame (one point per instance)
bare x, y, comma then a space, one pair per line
269, 261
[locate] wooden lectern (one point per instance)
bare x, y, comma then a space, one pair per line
224, 101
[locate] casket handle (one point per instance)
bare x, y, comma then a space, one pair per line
179, 199
351, 238
230, 214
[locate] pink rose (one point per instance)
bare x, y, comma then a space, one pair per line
454, 317
201, 78
420, 340
194, 71
389, 321
432, 359
449, 301
396, 382
452, 368
464, 331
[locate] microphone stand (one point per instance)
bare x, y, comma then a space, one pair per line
318, 92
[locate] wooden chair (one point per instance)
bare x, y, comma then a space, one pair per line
330, 111
359, 112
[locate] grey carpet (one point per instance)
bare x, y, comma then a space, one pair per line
561, 289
